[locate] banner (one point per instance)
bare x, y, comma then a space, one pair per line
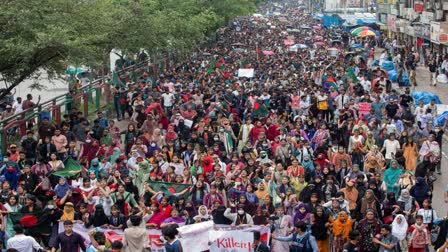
363, 108
197, 237
246, 72
237, 241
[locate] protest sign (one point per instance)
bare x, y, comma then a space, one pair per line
246, 72
363, 108
237, 241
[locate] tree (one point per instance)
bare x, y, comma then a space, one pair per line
46, 34
50, 34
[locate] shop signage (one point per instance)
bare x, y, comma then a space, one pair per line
391, 22
419, 6
423, 31
435, 31
426, 17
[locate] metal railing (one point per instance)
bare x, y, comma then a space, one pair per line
88, 99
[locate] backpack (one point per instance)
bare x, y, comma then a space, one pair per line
302, 245
418, 239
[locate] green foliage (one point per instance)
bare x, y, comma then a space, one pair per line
50, 34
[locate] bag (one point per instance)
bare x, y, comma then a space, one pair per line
322, 105
303, 245
418, 238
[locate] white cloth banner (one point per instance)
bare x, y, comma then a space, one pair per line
235, 241
196, 237
246, 72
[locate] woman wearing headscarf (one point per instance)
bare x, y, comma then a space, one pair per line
368, 227
341, 228
320, 222
203, 214
302, 214
308, 164
421, 191
369, 202
219, 218
61, 188
261, 192
400, 231
95, 166
391, 176
407, 203
98, 219
68, 213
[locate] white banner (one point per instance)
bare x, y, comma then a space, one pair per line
235, 241
197, 237
246, 72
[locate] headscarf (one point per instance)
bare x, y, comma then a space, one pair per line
308, 165
365, 205
69, 212
96, 168
391, 176
420, 189
202, 216
219, 218
299, 215
342, 228
99, 217
115, 155
406, 200
318, 228
261, 194
107, 140
61, 190
400, 230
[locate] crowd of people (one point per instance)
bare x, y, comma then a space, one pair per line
288, 148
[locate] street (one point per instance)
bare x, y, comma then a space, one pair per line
441, 90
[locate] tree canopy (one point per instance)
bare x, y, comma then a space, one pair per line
50, 34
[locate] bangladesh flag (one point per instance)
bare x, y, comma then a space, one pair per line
260, 109
330, 82
117, 80
169, 189
34, 223
352, 75
71, 170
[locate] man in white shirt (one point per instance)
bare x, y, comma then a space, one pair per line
391, 146
365, 83
341, 99
17, 106
23, 243
168, 100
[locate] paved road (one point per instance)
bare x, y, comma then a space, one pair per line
442, 180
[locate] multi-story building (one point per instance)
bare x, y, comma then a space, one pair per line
417, 23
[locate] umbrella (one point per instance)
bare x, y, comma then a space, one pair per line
360, 29
318, 38
332, 49
316, 27
268, 53
288, 42
320, 43
356, 31
367, 33
301, 46
357, 46
305, 27
293, 30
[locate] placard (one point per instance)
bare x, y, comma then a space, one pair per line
363, 108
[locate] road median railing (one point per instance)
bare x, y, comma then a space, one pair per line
94, 97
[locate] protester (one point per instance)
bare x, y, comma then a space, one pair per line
327, 145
